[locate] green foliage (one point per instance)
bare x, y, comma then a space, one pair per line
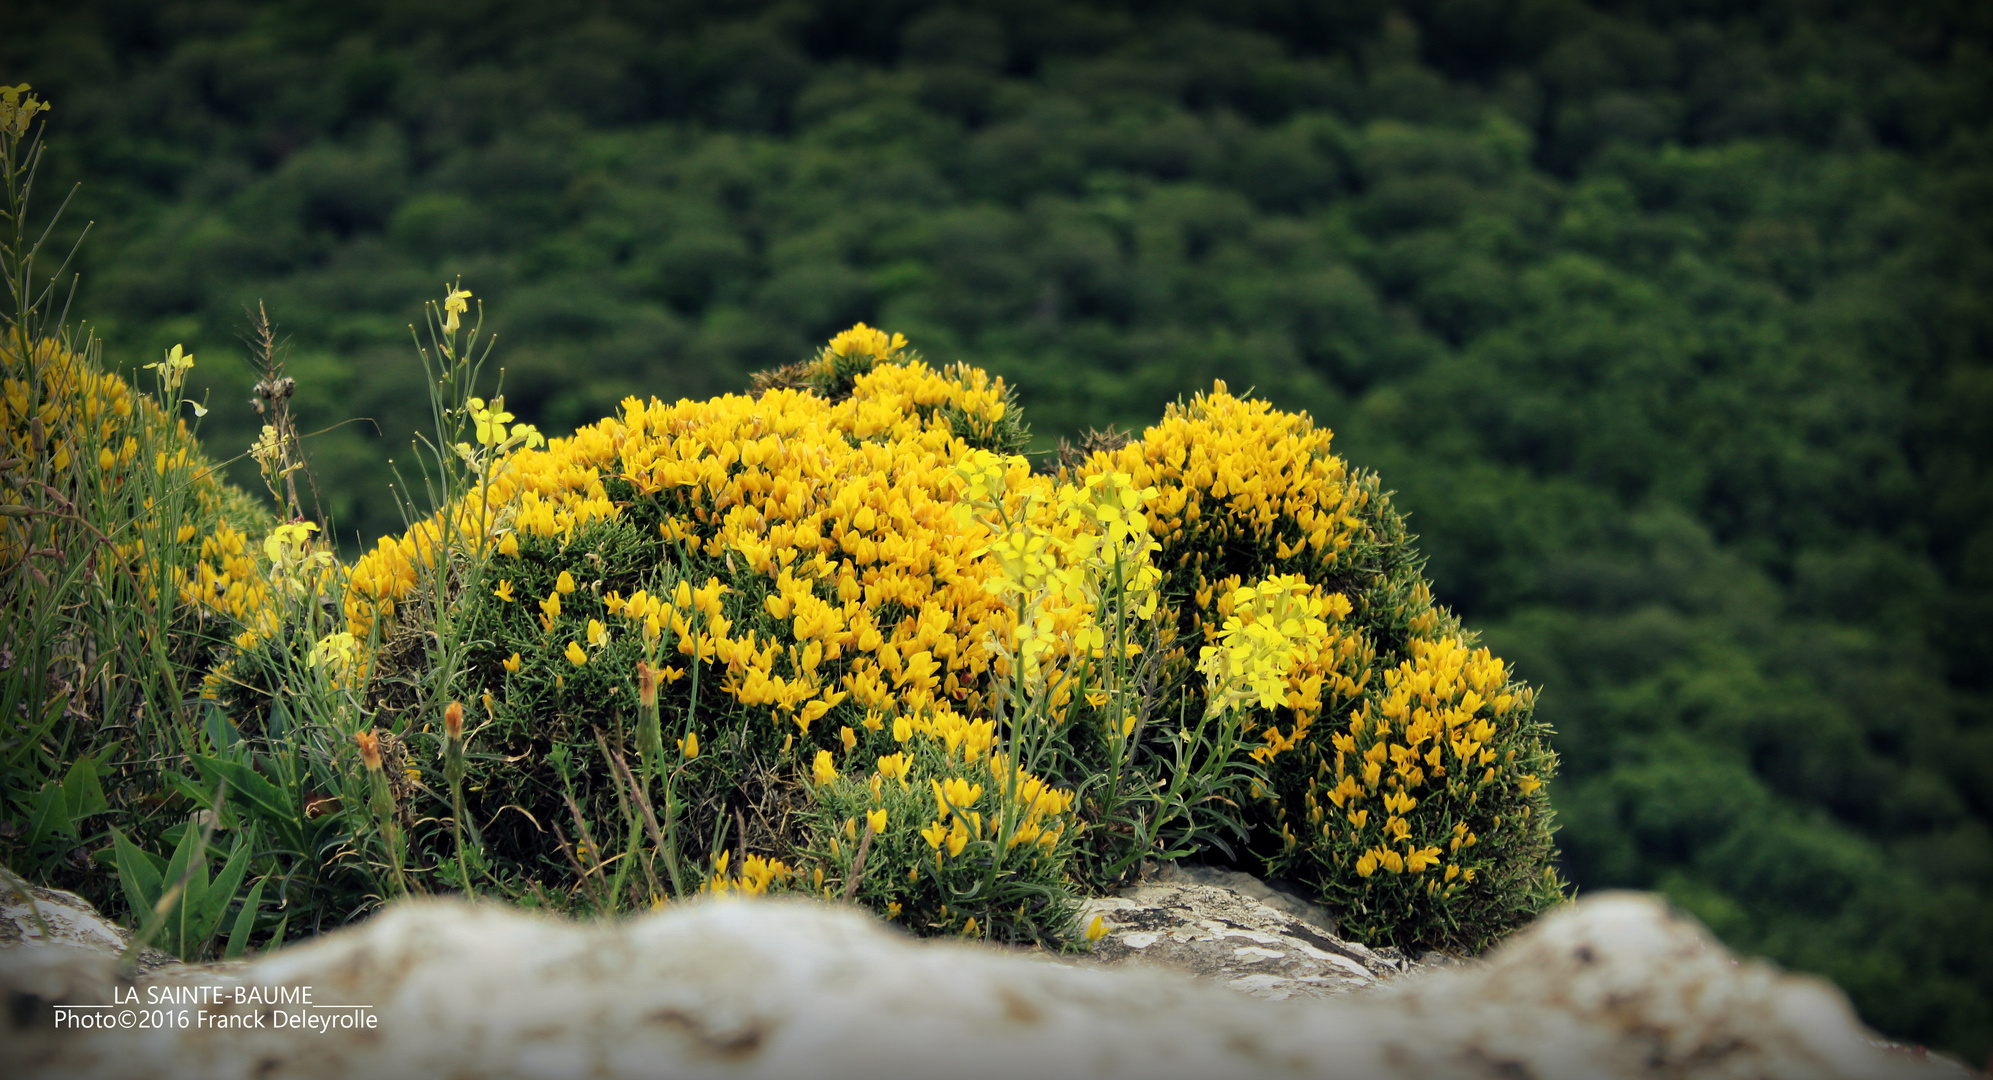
180, 898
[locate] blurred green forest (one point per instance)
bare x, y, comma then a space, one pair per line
1669, 322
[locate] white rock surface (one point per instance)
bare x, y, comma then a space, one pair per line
1229, 939
1612, 987
67, 918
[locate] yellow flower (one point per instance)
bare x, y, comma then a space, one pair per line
689, 745
1417, 861
824, 769
552, 605
575, 655
934, 834
512, 664
598, 635
955, 794
508, 544
455, 304
848, 737
564, 584
895, 767
504, 590
876, 819
173, 368
1096, 929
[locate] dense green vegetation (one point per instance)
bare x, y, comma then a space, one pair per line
1668, 321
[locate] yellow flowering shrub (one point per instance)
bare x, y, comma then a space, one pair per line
1403, 770
891, 661
790, 563
94, 471
95, 466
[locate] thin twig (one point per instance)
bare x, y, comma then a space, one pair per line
858, 865
622, 772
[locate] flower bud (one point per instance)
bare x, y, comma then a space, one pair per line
370, 749
453, 721
646, 686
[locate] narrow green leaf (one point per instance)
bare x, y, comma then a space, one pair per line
138, 873
217, 896
245, 921
277, 938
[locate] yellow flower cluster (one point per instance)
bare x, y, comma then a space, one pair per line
757, 875
390, 572
856, 564
82, 432
1062, 551
1271, 627
1236, 470
1236, 480
55, 412
18, 109
845, 505
1297, 574
1430, 736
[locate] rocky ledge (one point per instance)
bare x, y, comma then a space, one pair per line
1613, 986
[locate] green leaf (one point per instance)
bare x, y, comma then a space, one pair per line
139, 873
271, 803
82, 790
48, 816
217, 896
194, 792
195, 871
277, 938
245, 921
221, 731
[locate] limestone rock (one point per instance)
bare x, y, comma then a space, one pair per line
67, 918
33, 916
1612, 987
1230, 939
1285, 897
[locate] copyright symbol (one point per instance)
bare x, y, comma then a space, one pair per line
127, 1018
